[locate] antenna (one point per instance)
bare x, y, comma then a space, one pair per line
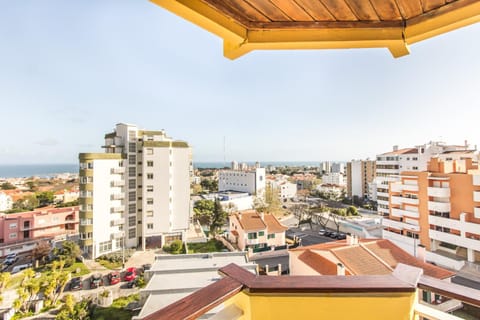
224, 152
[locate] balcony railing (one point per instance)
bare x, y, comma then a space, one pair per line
117, 235
401, 213
439, 192
117, 209
117, 196
120, 170
439, 206
118, 222
117, 183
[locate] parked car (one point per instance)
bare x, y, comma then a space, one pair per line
96, 281
322, 232
12, 255
21, 267
333, 235
130, 274
327, 233
10, 259
341, 236
114, 277
76, 284
132, 283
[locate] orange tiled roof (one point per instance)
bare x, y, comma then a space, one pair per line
273, 225
250, 220
372, 257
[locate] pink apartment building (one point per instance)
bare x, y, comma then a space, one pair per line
20, 231
251, 229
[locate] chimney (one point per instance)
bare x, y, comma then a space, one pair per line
420, 252
395, 148
340, 269
352, 240
262, 216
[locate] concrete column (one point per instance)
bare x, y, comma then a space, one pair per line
470, 255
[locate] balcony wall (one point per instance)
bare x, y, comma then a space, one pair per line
476, 196
401, 213
439, 206
439, 192
454, 239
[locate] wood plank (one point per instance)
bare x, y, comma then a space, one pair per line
410, 8
316, 9
432, 4
386, 9
269, 10
444, 10
199, 302
340, 10
363, 9
290, 8
242, 8
296, 25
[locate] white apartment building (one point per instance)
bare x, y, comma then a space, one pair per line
338, 167
286, 190
5, 202
101, 203
250, 180
389, 165
360, 174
155, 195
325, 166
334, 178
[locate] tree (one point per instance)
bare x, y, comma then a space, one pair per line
4, 278
209, 184
71, 310
27, 203
352, 211
69, 252
196, 189
41, 251
7, 186
32, 185
203, 210
219, 216
335, 216
45, 198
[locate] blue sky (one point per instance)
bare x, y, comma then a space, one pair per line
71, 70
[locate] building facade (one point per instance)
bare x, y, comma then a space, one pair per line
438, 210
144, 181
390, 164
42, 224
333, 178
248, 180
5, 202
360, 174
252, 229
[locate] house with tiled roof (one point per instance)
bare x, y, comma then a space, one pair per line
252, 229
361, 257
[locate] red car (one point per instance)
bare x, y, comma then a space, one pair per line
130, 274
114, 277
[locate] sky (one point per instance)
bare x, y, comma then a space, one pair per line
70, 70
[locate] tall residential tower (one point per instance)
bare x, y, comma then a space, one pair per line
137, 192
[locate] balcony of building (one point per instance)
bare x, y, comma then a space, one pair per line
400, 213
439, 206
476, 212
454, 239
117, 209
118, 222
119, 170
390, 223
117, 196
476, 196
438, 192
476, 179
117, 235
117, 183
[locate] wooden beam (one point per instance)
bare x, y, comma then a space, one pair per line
449, 17
204, 16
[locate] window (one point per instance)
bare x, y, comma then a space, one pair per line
132, 221
271, 236
149, 151
132, 147
149, 163
131, 196
105, 246
261, 233
150, 176
132, 208
132, 159
118, 243
150, 213
132, 172
132, 183
149, 225
90, 165
252, 235
149, 188
12, 225
149, 200
13, 235
131, 233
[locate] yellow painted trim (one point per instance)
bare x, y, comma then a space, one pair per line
99, 156
204, 16
239, 40
442, 23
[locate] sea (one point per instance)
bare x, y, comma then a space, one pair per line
50, 170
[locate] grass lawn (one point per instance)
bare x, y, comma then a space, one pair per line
210, 246
82, 267
116, 310
110, 265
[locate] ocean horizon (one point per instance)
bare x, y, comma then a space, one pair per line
50, 170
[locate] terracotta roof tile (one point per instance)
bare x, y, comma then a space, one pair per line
360, 262
250, 220
273, 225
401, 151
318, 263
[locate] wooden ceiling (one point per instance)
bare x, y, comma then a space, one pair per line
247, 25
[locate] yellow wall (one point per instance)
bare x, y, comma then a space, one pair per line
392, 306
